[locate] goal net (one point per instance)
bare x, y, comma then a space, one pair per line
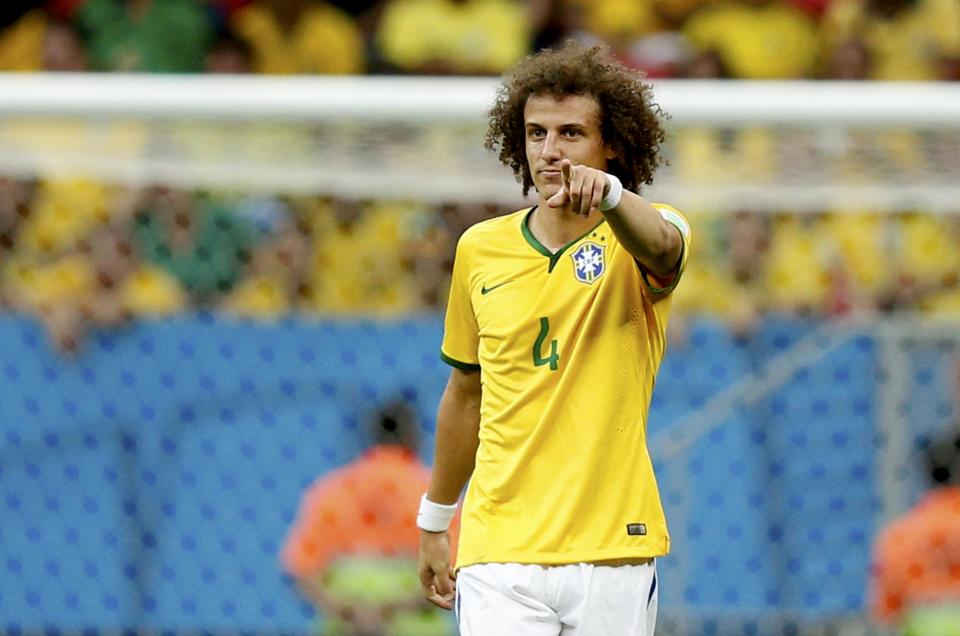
797, 147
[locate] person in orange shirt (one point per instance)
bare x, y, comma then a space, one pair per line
915, 579
353, 547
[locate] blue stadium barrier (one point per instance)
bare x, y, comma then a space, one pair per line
147, 484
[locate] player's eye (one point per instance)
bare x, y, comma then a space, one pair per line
535, 133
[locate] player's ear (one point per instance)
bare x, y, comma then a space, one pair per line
609, 152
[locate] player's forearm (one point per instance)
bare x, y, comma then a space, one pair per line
641, 229
458, 428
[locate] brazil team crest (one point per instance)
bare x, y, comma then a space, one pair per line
588, 263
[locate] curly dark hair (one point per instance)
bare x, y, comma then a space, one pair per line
630, 121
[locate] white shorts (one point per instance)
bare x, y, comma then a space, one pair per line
582, 599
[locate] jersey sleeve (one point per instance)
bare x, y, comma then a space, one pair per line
672, 216
461, 336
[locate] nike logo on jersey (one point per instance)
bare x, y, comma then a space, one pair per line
486, 290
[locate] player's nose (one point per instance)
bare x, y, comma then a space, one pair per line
551, 147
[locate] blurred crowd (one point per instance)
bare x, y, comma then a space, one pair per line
839, 264
746, 39
79, 255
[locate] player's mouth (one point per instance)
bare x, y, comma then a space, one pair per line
550, 172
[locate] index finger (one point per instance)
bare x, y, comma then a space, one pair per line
565, 167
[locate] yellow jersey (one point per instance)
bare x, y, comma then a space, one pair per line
568, 345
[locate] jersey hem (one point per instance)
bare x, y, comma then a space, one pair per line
463, 366
566, 558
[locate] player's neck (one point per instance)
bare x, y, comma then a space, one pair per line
556, 227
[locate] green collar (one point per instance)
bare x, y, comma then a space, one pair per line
537, 245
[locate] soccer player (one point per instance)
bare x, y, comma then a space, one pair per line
555, 329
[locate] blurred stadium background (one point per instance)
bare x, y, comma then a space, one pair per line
212, 276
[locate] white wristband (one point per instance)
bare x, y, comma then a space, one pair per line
434, 517
614, 193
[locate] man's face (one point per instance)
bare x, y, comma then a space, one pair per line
558, 129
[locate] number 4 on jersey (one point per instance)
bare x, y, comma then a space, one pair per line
553, 358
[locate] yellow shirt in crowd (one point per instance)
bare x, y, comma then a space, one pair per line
72, 280
476, 36
64, 211
324, 41
774, 41
21, 44
358, 263
907, 46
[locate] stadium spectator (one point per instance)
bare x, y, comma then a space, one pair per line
430, 263
15, 205
943, 296
64, 211
925, 263
639, 35
371, 234
756, 39
64, 49
673, 14
849, 60
138, 289
915, 579
705, 65
201, 243
159, 36
454, 37
551, 23
431, 244
903, 39
40, 40
457, 217
661, 54
276, 274
797, 277
726, 274
56, 293
304, 37
353, 546
22, 28
859, 259
428, 253
97, 282
747, 236
367, 14
229, 55
616, 22
67, 268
